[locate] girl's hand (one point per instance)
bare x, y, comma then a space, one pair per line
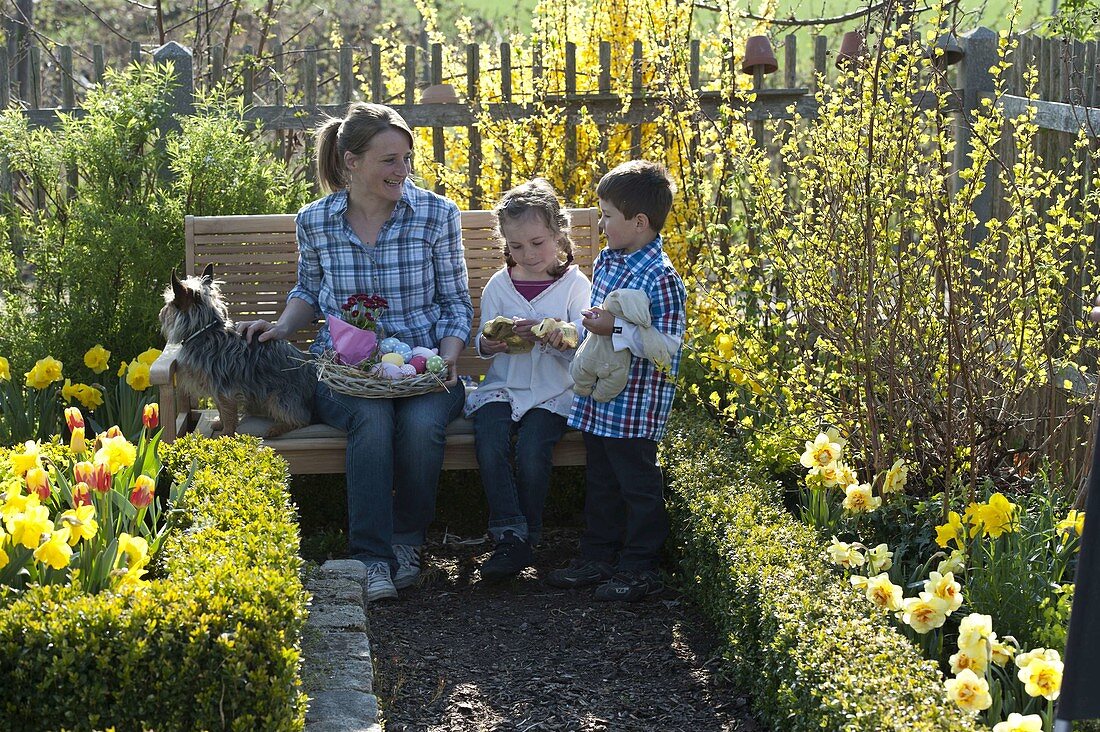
522, 328
598, 321
488, 345
555, 339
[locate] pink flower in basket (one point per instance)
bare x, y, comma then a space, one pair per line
355, 339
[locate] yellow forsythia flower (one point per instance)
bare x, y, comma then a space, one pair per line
96, 358
148, 356
945, 588
5, 369
820, 452
923, 613
116, 453
81, 522
137, 376
1017, 722
21, 462
859, 499
969, 692
55, 551
1042, 677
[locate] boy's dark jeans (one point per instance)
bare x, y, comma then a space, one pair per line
624, 508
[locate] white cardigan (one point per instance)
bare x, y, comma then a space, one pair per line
539, 378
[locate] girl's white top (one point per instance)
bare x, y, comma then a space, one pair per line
539, 378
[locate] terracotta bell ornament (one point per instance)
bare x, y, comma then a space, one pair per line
853, 50
759, 53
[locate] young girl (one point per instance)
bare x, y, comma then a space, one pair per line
525, 394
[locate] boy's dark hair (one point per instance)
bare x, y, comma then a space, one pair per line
639, 186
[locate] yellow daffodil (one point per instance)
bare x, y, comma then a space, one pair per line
148, 356
1074, 521
137, 375
969, 692
820, 452
134, 548
96, 358
994, 517
955, 563
28, 527
844, 554
1017, 722
944, 587
976, 634
55, 551
89, 397
859, 499
16, 504
4, 559
952, 531
122, 369
884, 593
963, 660
859, 582
1023, 660
1042, 677
1002, 653
845, 474
45, 372
115, 453
81, 522
21, 462
131, 578
5, 369
896, 478
922, 614
826, 475
880, 558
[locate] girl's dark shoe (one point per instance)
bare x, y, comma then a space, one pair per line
511, 556
580, 573
630, 586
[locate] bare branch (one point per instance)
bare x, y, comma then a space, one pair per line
829, 20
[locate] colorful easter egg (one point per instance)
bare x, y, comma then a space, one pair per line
436, 364
394, 358
390, 371
407, 370
405, 350
388, 344
420, 363
425, 352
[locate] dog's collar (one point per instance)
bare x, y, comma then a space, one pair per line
199, 332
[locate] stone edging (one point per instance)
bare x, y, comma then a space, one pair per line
337, 671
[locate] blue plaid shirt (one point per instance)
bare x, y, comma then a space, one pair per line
641, 410
417, 264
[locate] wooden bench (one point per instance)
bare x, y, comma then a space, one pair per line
256, 258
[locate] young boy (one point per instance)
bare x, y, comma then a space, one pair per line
625, 518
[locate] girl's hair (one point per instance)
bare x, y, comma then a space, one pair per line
352, 134
536, 198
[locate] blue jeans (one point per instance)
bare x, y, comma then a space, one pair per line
516, 500
394, 456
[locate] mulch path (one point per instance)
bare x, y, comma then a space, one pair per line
455, 654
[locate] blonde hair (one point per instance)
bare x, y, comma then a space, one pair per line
352, 134
536, 198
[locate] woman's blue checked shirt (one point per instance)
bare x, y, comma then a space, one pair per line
417, 264
641, 410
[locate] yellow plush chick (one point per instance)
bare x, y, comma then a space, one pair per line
569, 335
501, 328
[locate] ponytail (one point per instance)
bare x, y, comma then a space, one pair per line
330, 168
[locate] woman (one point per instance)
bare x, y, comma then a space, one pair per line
378, 233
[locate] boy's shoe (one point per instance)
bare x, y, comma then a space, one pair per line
629, 586
511, 556
378, 585
408, 565
580, 573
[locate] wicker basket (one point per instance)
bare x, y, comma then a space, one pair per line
355, 382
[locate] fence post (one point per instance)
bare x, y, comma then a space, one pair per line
980, 47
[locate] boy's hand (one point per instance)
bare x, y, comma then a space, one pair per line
598, 321
488, 345
522, 328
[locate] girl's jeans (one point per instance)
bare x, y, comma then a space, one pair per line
516, 500
394, 456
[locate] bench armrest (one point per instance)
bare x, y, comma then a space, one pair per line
162, 375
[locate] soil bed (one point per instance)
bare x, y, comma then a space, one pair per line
457, 654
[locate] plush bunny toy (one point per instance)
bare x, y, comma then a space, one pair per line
601, 371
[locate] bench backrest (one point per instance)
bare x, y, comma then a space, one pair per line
256, 257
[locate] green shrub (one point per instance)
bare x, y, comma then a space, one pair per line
796, 636
212, 644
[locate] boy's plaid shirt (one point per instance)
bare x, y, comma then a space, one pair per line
417, 264
641, 410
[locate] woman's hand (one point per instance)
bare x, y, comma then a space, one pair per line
262, 330
450, 348
490, 346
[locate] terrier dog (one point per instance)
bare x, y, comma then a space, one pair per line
272, 378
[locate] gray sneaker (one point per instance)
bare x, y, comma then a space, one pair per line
408, 565
378, 584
